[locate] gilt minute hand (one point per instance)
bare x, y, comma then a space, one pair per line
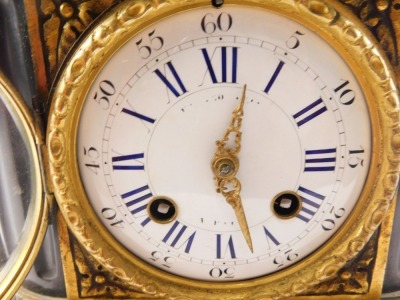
225, 166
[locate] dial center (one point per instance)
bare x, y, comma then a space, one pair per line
183, 144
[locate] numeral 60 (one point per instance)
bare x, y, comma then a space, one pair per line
223, 23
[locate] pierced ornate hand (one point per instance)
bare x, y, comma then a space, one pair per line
225, 166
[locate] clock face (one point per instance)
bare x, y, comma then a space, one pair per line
148, 130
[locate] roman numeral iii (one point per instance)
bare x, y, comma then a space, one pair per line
320, 160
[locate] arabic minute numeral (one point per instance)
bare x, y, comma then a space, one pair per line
165, 261
222, 23
346, 95
149, 44
106, 89
227, 273
330, 223
111, 215
286, 257
294, 41
356, 158
92, 155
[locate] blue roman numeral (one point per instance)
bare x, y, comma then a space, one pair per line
225, 68
271, 238
321, 160
311, 203
229, 247
274, 77
138, 115
176, 90
310, 112
128, 162
178, 233
137, 200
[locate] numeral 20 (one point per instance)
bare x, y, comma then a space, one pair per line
330, 223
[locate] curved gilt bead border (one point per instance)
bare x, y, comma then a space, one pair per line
293, 281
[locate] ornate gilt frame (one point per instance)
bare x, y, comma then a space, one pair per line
344, 32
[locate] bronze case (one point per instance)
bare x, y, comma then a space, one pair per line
131, 277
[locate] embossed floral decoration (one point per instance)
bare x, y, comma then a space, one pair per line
63, 22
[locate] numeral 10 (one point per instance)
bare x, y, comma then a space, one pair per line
111, 215
346, 95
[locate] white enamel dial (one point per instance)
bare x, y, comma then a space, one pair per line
156, 109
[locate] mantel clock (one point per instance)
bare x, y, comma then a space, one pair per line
217, 149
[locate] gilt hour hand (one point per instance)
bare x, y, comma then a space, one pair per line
225, 166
